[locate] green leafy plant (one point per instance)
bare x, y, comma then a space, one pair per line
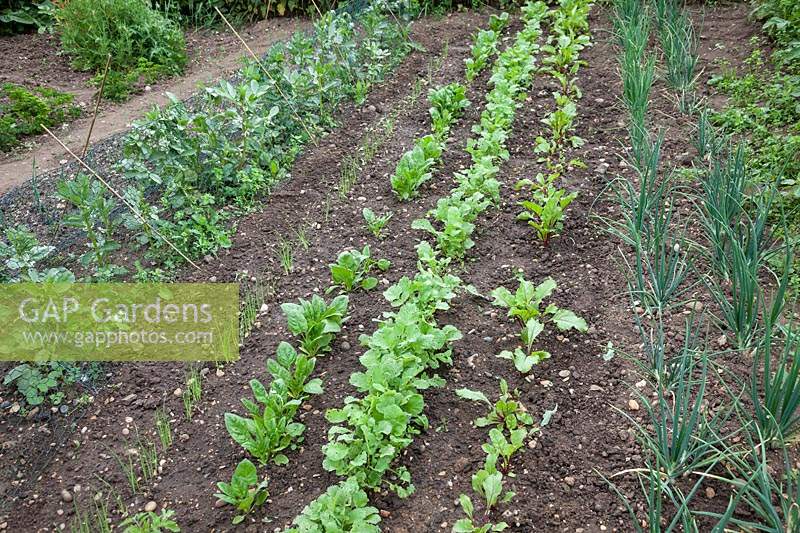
269, 430
525, 303
343, 507
23, 111
93, 218
245, 491
19, 16
468, 524
376, 223
448, 104
503, 447
21, 254
293, 370
497, 23
315, 322
455, 214
37, 383
525, 359
352, 269
507, 412
561, 123
150, 522
415, 167
488, 483
484, 47
545, 211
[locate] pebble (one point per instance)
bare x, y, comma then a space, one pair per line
595, 388
710, 492
66, 495
546, 383
150, 506
178, 392
633, 405
219, 373
722, 340
695, 306
63, 409
569, 480
129, 398
641, 384
385, 513
345, 345
564, 374
219, 503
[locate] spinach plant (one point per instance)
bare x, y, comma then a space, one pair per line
485, 46
270, 430
545, 211
448, 104
293, 370
245, 491
415, 167
376, 223
315, 322
352, 268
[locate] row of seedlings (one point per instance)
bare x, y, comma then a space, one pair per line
416, 166
545, 209
269, 428
509, 421
373, 429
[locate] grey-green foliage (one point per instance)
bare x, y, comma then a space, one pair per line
343, 507
238, 140
21, 253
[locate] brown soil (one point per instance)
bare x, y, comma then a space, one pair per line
558, 487
36, 60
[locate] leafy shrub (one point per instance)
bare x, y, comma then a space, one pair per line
127, 30
24, 111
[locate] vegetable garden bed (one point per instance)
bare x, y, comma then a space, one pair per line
445, 300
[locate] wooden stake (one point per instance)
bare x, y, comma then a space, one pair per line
97, 106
